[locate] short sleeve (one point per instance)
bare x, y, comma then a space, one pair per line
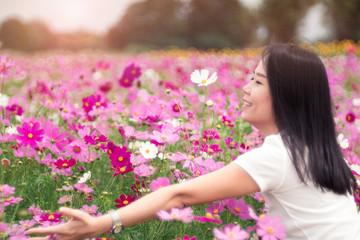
267, 164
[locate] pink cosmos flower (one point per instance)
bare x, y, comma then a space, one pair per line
160, 182
239, 208
144, 170
184, 214
30, 134
231, 232
77, 150
270, 228
167, 135
5, 64
82, 187
215, 208
10, 200
64, 199
6, 190
89, 209
53, 139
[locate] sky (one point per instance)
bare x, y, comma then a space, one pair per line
98, 16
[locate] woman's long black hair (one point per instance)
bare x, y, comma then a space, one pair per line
303, 114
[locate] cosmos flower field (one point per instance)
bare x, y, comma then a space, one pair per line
97, 130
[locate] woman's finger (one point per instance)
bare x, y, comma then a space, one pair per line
43, 231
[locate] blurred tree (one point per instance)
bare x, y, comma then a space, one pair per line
40, 37
157, 23
218, 24
345, 17
14, 34
281, 17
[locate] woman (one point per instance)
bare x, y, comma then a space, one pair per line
299, 168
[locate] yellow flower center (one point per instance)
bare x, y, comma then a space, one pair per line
217, 100
89, 210
115, 109
65, 110
210, 150
133, 72
215, 211
147, 150
65, 165
97, 104
126, 80
120, 159
122, 169
91, 159
51, 217
237, 210
232, 144
176, 108
76, 149
270, 230
197, 172
164, 137
110, 151
231, 235
30, 135
136, 113
86, 104
203, 81
126, 202
226, 123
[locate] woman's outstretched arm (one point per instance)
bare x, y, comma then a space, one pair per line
227, 182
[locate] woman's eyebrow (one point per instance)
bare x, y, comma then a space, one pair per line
260, 75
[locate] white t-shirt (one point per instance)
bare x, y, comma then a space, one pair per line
307, 212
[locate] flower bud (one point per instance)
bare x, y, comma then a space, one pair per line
168, 91
209, 103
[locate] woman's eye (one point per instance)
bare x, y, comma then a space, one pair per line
257, 82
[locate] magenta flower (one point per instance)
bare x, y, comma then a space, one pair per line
60, 163
124, 200
159, 183
30, 134
186, 237
131, 72
184, 214
50, 218
231, 232
120, 157
14, 109
207, 219
270, 228
350, 117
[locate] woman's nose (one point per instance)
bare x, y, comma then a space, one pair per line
246, 89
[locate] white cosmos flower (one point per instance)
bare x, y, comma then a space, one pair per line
148, 150
202, 78
85, 177
343, 142
4, 100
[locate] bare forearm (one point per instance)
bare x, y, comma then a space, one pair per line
146, 207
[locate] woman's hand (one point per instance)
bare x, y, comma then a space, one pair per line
81, 226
